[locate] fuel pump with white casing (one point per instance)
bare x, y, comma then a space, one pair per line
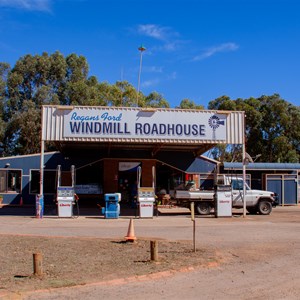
65, 199
223, 201
66, 196
146, 196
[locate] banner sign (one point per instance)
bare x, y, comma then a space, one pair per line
143, 124
128, 166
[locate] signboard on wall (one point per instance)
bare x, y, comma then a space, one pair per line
144, 124
128, 166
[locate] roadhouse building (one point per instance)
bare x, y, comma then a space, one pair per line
106, 145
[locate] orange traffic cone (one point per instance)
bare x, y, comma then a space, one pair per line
130, 234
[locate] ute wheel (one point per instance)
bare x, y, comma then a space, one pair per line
264, 207
252, 210
203, 208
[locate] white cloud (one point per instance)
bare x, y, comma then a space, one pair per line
172, 76
149, 83
171, 46
153, 69
39, 5
164, 34
154, 31
227, 47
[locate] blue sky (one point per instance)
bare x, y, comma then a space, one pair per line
196, 49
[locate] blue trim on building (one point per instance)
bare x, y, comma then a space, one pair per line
281, 178
262, 166
26, 163
183, 161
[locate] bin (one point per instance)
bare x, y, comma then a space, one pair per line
223, 201
112, 206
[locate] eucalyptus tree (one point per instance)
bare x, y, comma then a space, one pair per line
76, 81
155, 100
122, 93
98, 93
222, 103
22, 133
37, 80
279, 129
4, 70
272, 126
189, 104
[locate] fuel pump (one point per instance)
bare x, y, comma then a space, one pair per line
146, 196
66, 196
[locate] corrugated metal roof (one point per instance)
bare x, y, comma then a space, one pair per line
201, 165
262, 166
187, 163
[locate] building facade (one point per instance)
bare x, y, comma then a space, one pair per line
106, 145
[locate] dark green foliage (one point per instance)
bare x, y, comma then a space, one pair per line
50, 80
272, 127
189, 104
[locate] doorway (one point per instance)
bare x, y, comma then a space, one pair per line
127, 182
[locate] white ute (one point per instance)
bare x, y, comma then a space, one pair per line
257, 201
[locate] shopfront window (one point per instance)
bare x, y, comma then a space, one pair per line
49, 183
10, 181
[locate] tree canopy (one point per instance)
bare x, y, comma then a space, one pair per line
272, 124
272, 127
54, 79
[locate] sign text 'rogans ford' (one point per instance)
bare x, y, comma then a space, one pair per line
122, 123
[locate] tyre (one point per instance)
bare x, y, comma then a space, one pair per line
252, 210
203, 208
264, 207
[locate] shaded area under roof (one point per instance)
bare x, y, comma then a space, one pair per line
261, 166
188, 163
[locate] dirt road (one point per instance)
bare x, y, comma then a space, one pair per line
257, 256
268, 278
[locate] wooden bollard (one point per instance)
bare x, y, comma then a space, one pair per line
37, 264
154, 250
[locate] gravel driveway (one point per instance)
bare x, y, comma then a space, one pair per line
256, 257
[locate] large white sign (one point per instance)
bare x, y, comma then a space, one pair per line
139, 124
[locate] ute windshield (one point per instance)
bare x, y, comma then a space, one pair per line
237, 184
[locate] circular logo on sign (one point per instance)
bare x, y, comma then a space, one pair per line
214, 122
